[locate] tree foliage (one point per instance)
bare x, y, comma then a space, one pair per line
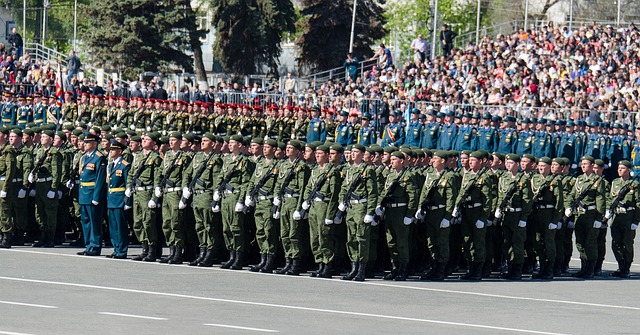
326, 31
249, 32
132, 36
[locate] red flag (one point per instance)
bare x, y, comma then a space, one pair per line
59, 87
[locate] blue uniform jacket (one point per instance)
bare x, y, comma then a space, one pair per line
117, 182
92, 178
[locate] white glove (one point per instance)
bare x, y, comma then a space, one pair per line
571, 225
95, 203
479, 224
31, 178
297, 216
126, 208
32, 193
216, 196
157, 192
419, 215
379, 211
186, 193
568, 212
559, 225
276, 215
407, 221
22, 193
342, 207
522, 224
445, 223
59, 194
597, 224
69, 184
305, 205
90, 124
127, 192
328, 221
239, 207
276, 201
148, 128
455, 213
132, 127
182, 204
374, 223
607, 215
634, 226
368, 219
553, 226
498, 214
152, 204
249, 202
216, 209
306, 215
489, 223
265, 137
574, 166
51, 194
336, 220
3, 194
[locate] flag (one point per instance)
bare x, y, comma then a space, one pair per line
59, 87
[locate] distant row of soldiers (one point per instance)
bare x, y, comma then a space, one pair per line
440, 211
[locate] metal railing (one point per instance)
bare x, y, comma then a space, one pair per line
43, 53
503, 28
339, 73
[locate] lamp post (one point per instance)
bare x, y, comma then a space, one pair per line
353, 25
75, 23
435, 29
478, 24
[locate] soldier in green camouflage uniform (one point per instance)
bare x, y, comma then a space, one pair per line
8, 172
24, 165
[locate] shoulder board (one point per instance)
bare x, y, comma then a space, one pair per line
99, 153
125, 163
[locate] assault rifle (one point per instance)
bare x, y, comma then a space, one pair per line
285, 185
467, 191
196, 179
347, 197
224, 185
314, 192
254, 192
386, 198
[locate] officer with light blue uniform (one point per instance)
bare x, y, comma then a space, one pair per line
596, 143
430, 130
466, 139
117, 173
345, 134
542, 141
393, 132
9, 110
507, 136
525, 138
487, 138
317, 130
414, 130
448, 133
366, 134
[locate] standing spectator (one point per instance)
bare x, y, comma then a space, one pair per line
73, 65
159, 93
351, 65
447, 36
16, 42
290, 84
385, 60
420, 46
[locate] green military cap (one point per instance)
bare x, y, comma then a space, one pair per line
389, 150
197, 139
530, 157
121, 135
299, 145
107, 137
323, 147
545, 160
163, 140
136, 138
282, 146
428, 152
209, 136
417, 153
68, 127
81, 137
558, 160
153, 136
257, 140
348, 148
47, 132
378, 149
485, 153
271, 143
477, 154
441, 153
246, 141
37, 130
5, 130
31, 124
219, 139
371, 150
405, 146
406, 150
512, 157
177, 134
97, 130
316, 143
226, 138
588, 158
17, 131
453, 153
337, 147
237, 138
625, 163
91, 137
29, 132
398, 154
359, 147
130, 132
599, 162
106, 127
499, 155
329, 143
189, 137
566, 161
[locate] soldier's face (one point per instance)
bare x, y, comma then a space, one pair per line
464, 160
396, 162
206, 143
556, 168
366, 157
544, 168
234, 146
335, 156
357, 156
623, 171
268, 150
115, 153
437, 162
134, 146
475, 164
321, 157
586, 166
174, 143
511, 166
255, 149
291, 152
90, 145
148, 143
14, 139
45, 139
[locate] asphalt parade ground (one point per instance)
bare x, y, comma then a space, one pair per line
54, 291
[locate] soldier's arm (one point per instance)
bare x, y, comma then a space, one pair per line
600, 198
558, 196
187, 163
425, 188
56, 169
303, 177
129, 178
157, 171
609, 197
636, 201
371, 182
27, 166
333, 184
101, 180
10, 162
449, 192
412, 195
527, 199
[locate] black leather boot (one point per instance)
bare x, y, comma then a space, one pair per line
543, 267
259, 266
152, 255
327, 272
583, 269
627, 270
286, 267
392, 274
229, 263
362, 272
517, 272
207, 260
402, 273
172, 253
203, 252
427, 275
177, 257
295, 268
318, 270
268, 265
547, 274
144, 253
6, 241
238, 263
438, 273
190, 252
506, 275
353, 272
588, 273
475, 271
597, 271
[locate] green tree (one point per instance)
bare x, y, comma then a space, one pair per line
326, 31
249, 32
131, 36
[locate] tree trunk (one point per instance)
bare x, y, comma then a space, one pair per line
196, 45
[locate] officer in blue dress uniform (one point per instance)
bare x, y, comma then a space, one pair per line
635, 153
345, 134
39, 110
570, 145
448, 133
393, 132
487, 138
317, 130
542, 144
595, 145
366, 134
525, 138
117, 173
24, 112
91, 194
466, 139
9, 109
414, 130
430, 131
617, 150
507, 136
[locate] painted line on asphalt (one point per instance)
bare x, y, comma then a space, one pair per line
2, 332
25, 304
605, 262
289, 307
133, 316
241, 328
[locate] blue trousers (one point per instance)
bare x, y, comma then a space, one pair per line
91, 217
118, 231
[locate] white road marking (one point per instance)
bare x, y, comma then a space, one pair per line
241, 328
25, 304
605, 262
12, 333
133, 316
290, 307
